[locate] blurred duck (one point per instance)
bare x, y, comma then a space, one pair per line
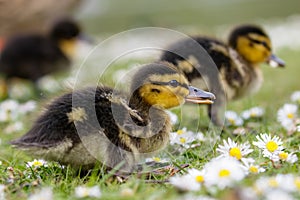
32, 56
101, 124
237, 62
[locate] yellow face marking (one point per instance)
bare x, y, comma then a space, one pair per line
68, 47
165, 95
252, 49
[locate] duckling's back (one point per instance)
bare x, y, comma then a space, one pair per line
183, 51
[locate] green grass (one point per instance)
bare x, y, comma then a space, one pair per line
21, 181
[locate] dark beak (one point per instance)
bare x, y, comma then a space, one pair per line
274, 61
199, 96
86, 38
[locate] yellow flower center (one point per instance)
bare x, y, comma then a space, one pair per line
252, 114
271, 146
37, 163
85, 193
253, 169
156, 159
180, 132
224, 173
182, 140
297, 183
290, 115
283, 155
231, 121
235, 152
200, 179
273, 182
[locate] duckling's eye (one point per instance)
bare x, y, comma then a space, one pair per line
173, 83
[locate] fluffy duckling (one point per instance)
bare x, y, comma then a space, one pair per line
33, 56
101, 124
237, 64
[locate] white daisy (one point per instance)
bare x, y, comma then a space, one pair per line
83, 191
288, 157
278, 194
287, 116
184, 137
266, 184
185, 183
37, 163
255, 112
196, 175
250, 167
9, 105
48, 84
44, 193
223, 172
27, 107
232, 149
232, 119
295, 97
270, 146
296, 184
290, 183
9, 110
20, 91
173, 117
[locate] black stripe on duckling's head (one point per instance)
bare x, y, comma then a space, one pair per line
244, 30
253, 44
163, 85
65, 29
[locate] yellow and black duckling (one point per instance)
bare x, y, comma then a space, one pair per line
32, 56
237, 63
100, 124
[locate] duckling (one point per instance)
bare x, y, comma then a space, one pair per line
102, 124
237, 63
32, 56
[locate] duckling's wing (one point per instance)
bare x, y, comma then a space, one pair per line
52, 127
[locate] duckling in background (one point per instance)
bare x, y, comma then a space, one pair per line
101, 124
32, 56
237, 61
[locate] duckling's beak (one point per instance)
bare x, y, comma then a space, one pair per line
199, 96
274, 61
86, 38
